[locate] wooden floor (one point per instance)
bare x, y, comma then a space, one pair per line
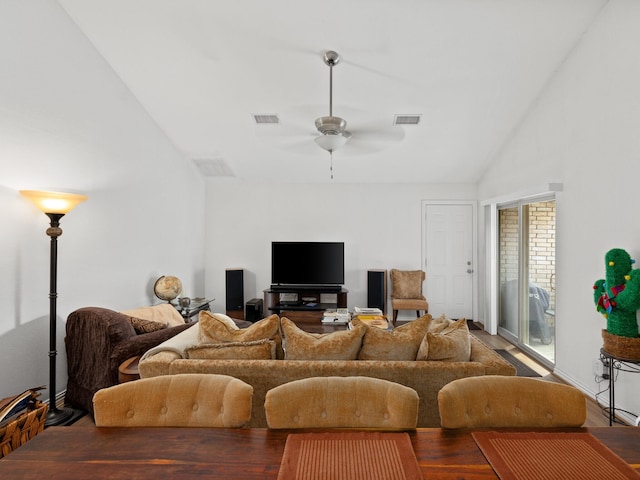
595, 415
85, 421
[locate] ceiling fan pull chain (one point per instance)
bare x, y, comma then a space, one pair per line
331, 164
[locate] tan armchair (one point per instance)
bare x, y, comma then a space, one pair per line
498, 401
406, 293
342, 402
183, 400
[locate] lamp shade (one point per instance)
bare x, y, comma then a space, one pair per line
331, 142
54, 202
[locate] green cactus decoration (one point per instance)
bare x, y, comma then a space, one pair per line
618, 297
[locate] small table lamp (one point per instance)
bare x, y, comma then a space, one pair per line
54, 205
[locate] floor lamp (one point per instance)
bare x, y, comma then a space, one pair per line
54, 205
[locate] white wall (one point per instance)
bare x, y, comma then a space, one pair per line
381, 226
584, 132
68, 123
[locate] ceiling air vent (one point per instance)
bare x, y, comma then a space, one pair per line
406, 119
266, 118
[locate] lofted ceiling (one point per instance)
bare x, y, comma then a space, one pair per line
203, 69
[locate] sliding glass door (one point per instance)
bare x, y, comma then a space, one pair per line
509, 271
526, 276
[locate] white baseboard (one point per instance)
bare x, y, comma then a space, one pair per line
589, 392
59, 398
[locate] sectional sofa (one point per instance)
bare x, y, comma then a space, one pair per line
425, 355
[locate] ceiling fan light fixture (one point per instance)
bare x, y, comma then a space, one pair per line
331, 141
331, 125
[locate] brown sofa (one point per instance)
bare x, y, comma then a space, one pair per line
426, 377
97, 341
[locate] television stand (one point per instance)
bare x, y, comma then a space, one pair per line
278, 287
309, 304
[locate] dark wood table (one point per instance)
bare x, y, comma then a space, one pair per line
141, 453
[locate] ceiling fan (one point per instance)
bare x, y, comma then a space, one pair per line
333, 129
367, 137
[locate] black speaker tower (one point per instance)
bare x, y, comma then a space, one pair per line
377, 289
234, 299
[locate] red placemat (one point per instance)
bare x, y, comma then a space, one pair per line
551, 455
349, 456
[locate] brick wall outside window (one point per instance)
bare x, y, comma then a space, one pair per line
542, 245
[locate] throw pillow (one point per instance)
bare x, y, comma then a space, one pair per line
400, 344
163, 313
301, 345
440, 323
452, 345
140, 325
256, 350
228, 321
407, 283
214, 330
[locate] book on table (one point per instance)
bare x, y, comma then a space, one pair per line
367, 311
336, 316
371, 316
378, 321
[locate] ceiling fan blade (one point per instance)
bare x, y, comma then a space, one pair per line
383, 74
300, 145
285, 128
374, 137
388, 133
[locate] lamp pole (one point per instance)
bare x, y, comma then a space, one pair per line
54, 205
55, 416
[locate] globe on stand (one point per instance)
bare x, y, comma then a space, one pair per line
167, 288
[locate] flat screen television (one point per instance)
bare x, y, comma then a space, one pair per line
307, 263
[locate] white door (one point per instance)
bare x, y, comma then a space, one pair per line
449, 261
